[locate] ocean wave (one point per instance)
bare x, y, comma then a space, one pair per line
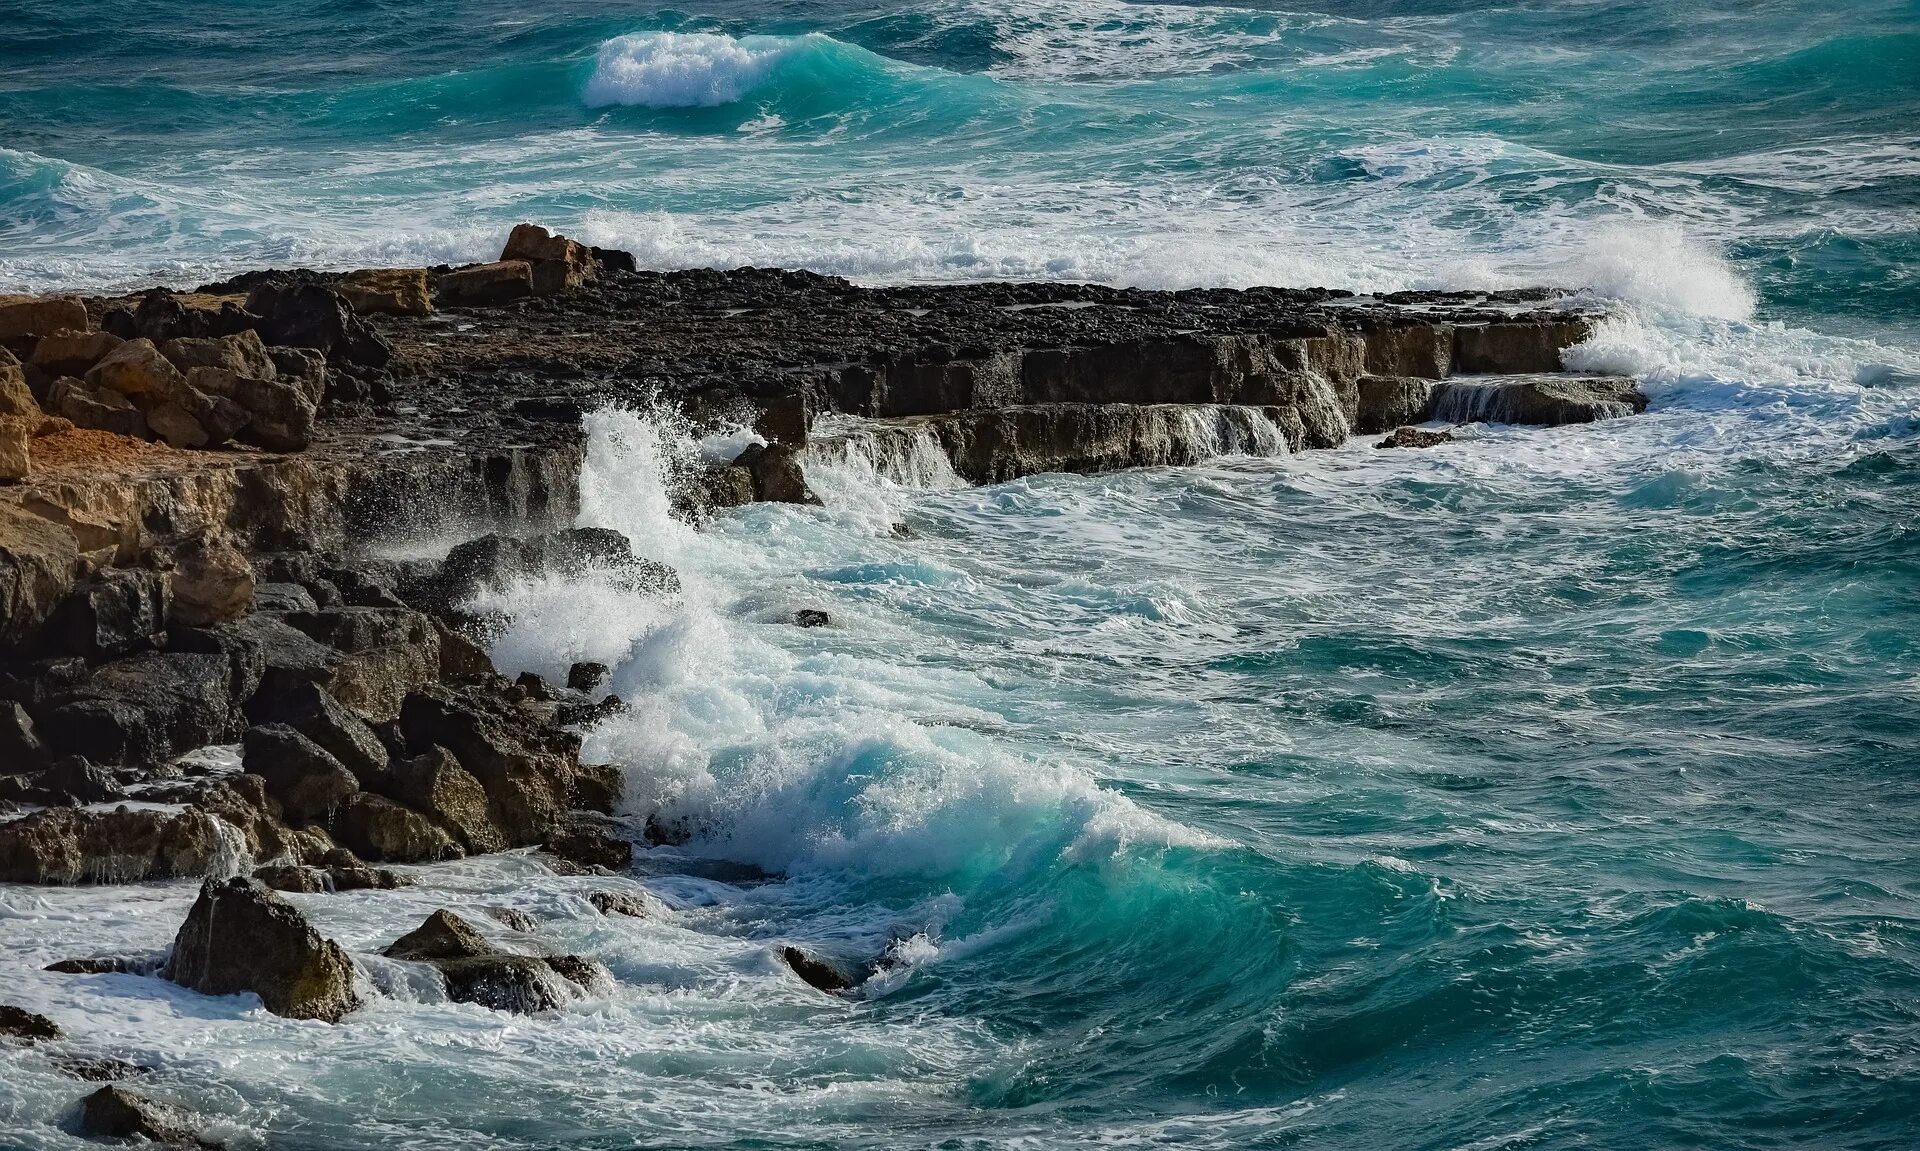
688, 69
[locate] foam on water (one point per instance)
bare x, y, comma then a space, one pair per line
686, 70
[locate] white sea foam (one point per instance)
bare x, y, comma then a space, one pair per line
685, 69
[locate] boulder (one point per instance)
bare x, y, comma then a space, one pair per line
116, 1113
525, 766
482, 284
16, 398
597, 787
29, 317
112, 613
308, 315
68, 781
557, 264
776, 472
815, 971
591, 845
308, 783
615, 260
435, 783
16, 454
475, 972
99, 408
72, 352
142, 710
499, 561
64, 845
587, 676
386, 291
212, 581
21, 1025
311, 710
1415, 438
280, 417
386, 653
137, 370
294, 877
461, 658
241, 937
305, 368
513, 918
163, 315
38, 562
620, 903
444, 935
240, 354
785, 420
387, 832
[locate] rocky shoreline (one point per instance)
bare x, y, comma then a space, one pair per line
207, 670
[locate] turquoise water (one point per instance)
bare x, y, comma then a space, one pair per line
1554, 789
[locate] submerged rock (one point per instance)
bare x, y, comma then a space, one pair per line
19, 1024
241, 937
815, 971
116, 1113
475, 972
1415, 438
811, 617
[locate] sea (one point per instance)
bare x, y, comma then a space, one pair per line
1550, 789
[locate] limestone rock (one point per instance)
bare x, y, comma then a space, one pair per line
1387, 402
387, 832
99, 408
557, 264
436, 784
240, 937
311, 710
212, 581
280, 418
524, 766
1545, 400
1517, 346
136, 369
116, 1113
1415, 438
16, 398
443, 936
115, 611
477, 973
305, 368
776, 472
386, 291
481, 284
64, 845
241, 354
295, 877
386, 653
513, 918
16, 456
308, 783
23, 317
72, 352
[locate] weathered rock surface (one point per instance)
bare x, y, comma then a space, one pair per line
241, 937
386, 291
1545, 400
64, 845
26, 317
1415, 438
497, 283
307, 782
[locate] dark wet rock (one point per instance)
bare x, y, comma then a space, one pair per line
525, 767
20, 747
461, 659
444, 935
500, 282
295, 877
620, 903
1388, 402
614, 260
811, 617
361, 878
385, 653
1549, 401
712, 489
531, 686
776, 472
21, 1025
598, 787
241, 937
143, 709
387, 832
587, 676
1415, 438
313, 711
117, 611
1511, 347
164, 315
499, 561
280, 416
110, 965
308, 782
815, 971
97, 1068
70, 780
475, 972
211, 581
282, 597
591, 844
434, 782
26, 317
309, 315
513, 918
116, 1113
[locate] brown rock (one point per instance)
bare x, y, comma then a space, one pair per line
241, 353
557, 263
387, 832
1518, 346
1415, 438
16, 457
240, 936
496, 283
294, 877
22, 317
16, 399
65, 845
777, 476
591, 845
99, 408
38, 562
174, 424
435, 783
136, 369
620, 903
525, 766
72, 353
1388, 402
386, 291
116, 1113
443, 936
212, 582
279, 415
513, 918
308, 783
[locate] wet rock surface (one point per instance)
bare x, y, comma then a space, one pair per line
116, 1113
477, 972
242, 937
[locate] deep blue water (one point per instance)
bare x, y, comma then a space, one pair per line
1553, 789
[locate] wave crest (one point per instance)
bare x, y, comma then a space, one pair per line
686, 69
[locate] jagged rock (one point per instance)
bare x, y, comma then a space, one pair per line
20, 746
620, 903
99, 408
73, 352
163, 315
17, 1023
557, 264
388, 832
308, 783
136, 369
435, 783
16, 398
513, 918
110, 965
444, 935
1516, 347
815, 971
811, 617
38, 559
597, 787
386, 653
313, 711
591, 845
364, 879
305, 369
240, 354
1388, 402
711, 489
482, 284
116, 1113
280, 417
1415, 438
143, 709
587, 676
308, 315
525, 767
64, 845
498, 561
26, 317
240, 936
295, 877
477, 973
212, 582
785, 420
16, 448
96, 1068
461, 658
69, 780
614, 260
386, 291
776, 472
117, 611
